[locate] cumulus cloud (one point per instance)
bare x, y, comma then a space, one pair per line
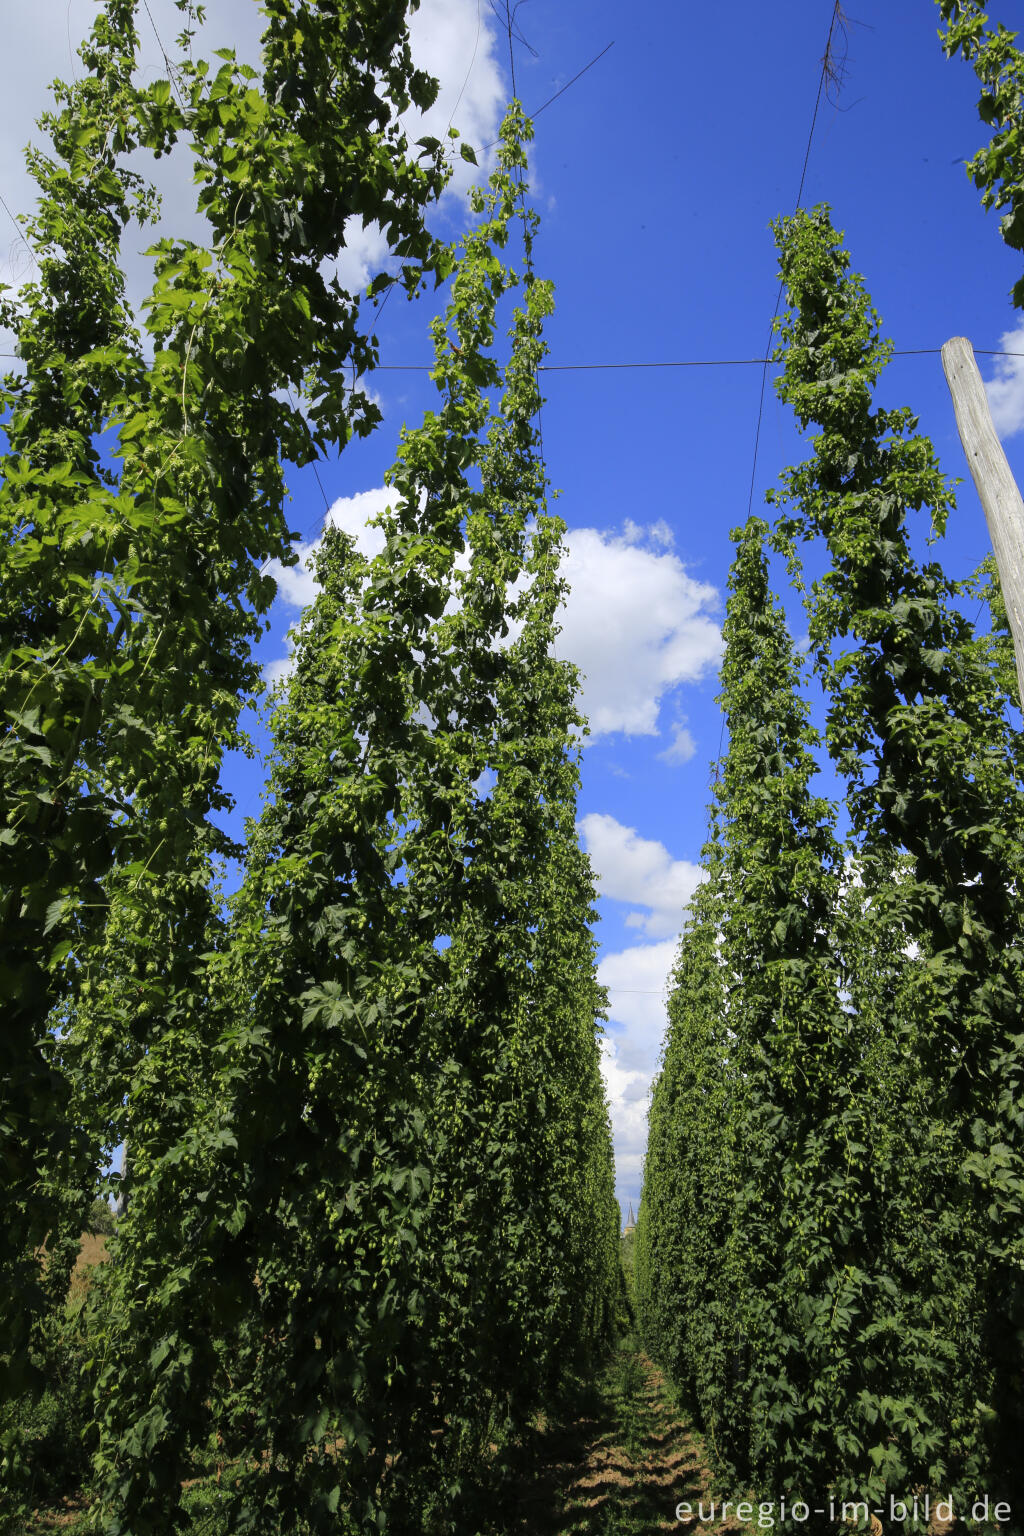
277, 671
42, 43
636, 623
627, 1101
640, 872
682, 746
637, 981
296, 584
454, 40
1006, 390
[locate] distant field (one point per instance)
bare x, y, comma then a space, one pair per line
92, 1252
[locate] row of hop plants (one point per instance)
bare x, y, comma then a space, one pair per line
394, 1187
368, 1226
829, 1250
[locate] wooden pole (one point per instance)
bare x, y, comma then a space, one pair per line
997, 489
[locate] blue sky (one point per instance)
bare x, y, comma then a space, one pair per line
656, 176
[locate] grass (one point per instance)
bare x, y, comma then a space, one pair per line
641, 1458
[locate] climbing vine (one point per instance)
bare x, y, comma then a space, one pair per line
392, 1211
829, 1253
998, 169
143, 490
918, 727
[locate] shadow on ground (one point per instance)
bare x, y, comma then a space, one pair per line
616, 1463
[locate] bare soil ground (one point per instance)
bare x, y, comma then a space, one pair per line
617, 1467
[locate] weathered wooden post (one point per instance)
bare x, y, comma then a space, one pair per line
1004, 509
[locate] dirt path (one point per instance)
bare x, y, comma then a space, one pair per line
617, 1467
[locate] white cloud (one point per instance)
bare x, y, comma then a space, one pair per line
1006, 390
641, 872
636, 979
277, 671
682, 746
454, 40
648, 533
40, 43
627, 1101
637, 983
296, 584
366, 252
636, 624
